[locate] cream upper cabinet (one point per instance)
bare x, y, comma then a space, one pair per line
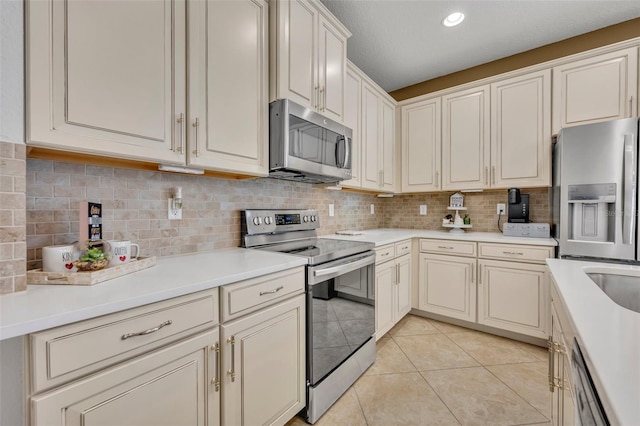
465, 139
603, 87
421, 142
309, 56
107, 78
227, 123
377, 139
521, 131
111, 79
352, 99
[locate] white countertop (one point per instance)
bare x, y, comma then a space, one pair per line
608, 335
47, 306
391, 235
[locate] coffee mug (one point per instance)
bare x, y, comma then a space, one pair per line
59, 258
121, 252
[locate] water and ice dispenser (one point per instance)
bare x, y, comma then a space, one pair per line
592, 212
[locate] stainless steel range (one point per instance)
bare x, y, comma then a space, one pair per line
340, 299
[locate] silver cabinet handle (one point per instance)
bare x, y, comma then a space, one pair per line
262, 293
232, 371
196, 124
514, 253
437, 180
445, 247
493, 175
315, 98
473, 275
479, 274
486, 175
148, 331
180, 121
631, 106
322, 99
397, 274
551, 364
215, 349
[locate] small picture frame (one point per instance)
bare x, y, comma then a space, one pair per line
456, 200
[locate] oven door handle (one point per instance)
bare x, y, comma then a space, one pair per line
342, 268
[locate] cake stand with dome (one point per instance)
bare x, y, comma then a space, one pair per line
459, 228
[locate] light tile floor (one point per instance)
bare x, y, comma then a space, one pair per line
432, 373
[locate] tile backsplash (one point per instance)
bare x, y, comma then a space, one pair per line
13, 248
40, 202
135, 207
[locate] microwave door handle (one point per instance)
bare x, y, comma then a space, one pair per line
347, 151
629, 190
341, 142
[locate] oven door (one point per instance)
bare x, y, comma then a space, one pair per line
339, 322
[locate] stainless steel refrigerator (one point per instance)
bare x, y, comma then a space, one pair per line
595, 191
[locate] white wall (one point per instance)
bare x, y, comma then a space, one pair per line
12, 71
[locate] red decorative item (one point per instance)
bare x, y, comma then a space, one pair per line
123, 258
68, 265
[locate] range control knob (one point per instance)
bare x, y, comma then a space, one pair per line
314, 218
305, 219
268, 220
257, 221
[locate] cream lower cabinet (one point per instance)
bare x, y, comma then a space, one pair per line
171, 363
513, 292
263, 369
447, 286
603, 87
171, 386
560, 376
392, 285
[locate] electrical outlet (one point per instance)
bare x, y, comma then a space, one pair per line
373, 209
423, 209
501, 208
332, 210
173, 214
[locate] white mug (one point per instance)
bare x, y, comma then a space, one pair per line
59, 258
121, 252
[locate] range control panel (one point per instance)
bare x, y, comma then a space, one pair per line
276, 221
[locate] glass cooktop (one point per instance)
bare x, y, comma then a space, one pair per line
320, 250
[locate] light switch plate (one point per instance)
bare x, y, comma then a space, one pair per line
332, 210
423, 209
373, 209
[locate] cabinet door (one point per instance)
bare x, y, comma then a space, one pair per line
465, 139
332, 58
107, 78
352, 102
421, 140
403, 287
170, 386
297, 58
384, 295
228, 110
513, 296
387, 150
371, 172
595, 89
447, 286
521, 131
264, 365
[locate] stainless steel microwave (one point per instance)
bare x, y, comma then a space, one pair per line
305, 146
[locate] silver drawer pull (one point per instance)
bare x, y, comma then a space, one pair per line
262, 293
513, 253
445, 247
149, 331
384, 254
232, 372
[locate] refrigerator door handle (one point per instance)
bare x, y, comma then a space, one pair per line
629, 190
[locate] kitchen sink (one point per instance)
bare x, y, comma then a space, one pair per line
622, 289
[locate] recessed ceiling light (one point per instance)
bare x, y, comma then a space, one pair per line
453, 19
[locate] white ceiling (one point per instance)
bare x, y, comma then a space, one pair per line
402, 42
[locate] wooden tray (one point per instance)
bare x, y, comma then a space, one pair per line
36, 276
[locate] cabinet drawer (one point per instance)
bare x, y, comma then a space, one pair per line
250, 295
534, 254
403, 247
65, 353
461, 248
385, 253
